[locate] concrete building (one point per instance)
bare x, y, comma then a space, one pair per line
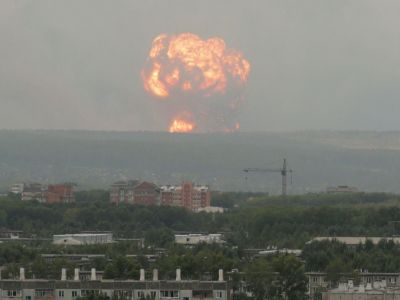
376, 291
210, 210
318, 282
82, 239
10, 234
33, 191
194, 239
72, 288
17, 188
354, 241
79, 260
342, 189
186, 195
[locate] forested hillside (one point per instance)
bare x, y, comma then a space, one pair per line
370, 161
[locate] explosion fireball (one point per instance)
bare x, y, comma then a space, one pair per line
202, 78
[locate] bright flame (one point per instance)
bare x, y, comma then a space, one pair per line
153, 83
207, 65
202, 79
179, 125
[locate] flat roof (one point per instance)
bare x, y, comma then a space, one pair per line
355, 240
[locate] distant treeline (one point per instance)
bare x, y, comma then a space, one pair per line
257, 222
96, 159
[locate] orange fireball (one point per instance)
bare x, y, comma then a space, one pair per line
203, 78
186, 63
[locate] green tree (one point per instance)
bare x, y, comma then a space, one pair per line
335, 270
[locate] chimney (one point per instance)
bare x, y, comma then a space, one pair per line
63, 274
76, 274
142, 275
220, 275
93, 274
155, 275
21, 274
178, 275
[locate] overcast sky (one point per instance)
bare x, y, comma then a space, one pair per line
316, 64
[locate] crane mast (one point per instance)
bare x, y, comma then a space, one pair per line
283, 171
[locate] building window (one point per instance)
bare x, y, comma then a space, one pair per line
12, 293
140, 294
169, 294
218, 294
74, 293
61, 294
85, 293
43, 292
153, 294
125, 294
28, 297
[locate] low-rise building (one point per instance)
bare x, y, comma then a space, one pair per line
318, 282
194, 239
17, 188
82, 239
354, 241
9, 234
74, 288
80, 260
210, 210
342, 189
372, 291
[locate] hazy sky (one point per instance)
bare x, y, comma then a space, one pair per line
316, 64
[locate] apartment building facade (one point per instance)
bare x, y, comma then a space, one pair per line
186, 195
318, 282
135, 192
83, 239
375, 291
52, 193
73, 288
59, 193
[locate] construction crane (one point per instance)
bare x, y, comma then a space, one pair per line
284, 172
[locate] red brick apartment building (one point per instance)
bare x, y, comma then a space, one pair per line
146, 193
53, 193
186, 195
135, 192
59, 193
